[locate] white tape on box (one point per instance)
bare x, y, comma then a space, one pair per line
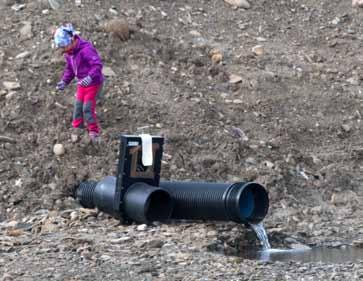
147, 150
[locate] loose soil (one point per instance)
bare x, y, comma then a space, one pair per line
292, 122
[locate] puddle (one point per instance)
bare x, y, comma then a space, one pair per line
342, 254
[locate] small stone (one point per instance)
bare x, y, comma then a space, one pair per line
49, 227
7, 277
11, 85
156, 244
74, 216
120, 240
113, 11
237, 101
14, 232
269, 164
357, 3
216, 55
12, 224
195, 33
347, 128
298, 246
358, 243
26, 31
251, 161
212, 233
18, 7
234, 79
348, 197
10, 95
217, 58
23, 55
55, 4
74, 138
142, 227
58, 149
258, 50
107, 71
239, 3
105, 257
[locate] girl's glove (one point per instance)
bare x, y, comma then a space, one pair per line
85, 81
61, 85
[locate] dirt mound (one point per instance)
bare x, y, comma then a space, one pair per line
280, 103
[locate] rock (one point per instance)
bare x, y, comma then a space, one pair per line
107, 71
10, 95
14, 232
348, 197
357, 3
23, 55
298, 246
117, 27
11, 85
26, 31
58, 149
11, 224
238, 133
75, 138
353, 80
216, 58
237, 101
2, 55
55, 4
238, 3
234, 79
268, 164
358, 243
18, 7
347, 127
154, 244
120, 240
215, 55
7, 277
195, 33
74, 216
49, 227
142, 227
258, 50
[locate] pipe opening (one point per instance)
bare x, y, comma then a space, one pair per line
159, 206
252, 203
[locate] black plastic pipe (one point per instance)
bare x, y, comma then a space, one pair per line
243, 202
142, 202
146, 203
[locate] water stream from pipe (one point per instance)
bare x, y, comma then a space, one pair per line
262, 235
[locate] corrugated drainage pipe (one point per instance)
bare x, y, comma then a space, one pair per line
242, 202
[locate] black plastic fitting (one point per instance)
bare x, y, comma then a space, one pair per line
142, 202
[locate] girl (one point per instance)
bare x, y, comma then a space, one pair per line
84, 63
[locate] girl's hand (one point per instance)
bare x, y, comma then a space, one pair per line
60, 85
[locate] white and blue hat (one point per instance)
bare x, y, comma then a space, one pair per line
63, 36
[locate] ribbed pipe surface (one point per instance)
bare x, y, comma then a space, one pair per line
85, 194
239, 202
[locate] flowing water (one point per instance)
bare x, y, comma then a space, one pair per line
318, 254
262, 235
